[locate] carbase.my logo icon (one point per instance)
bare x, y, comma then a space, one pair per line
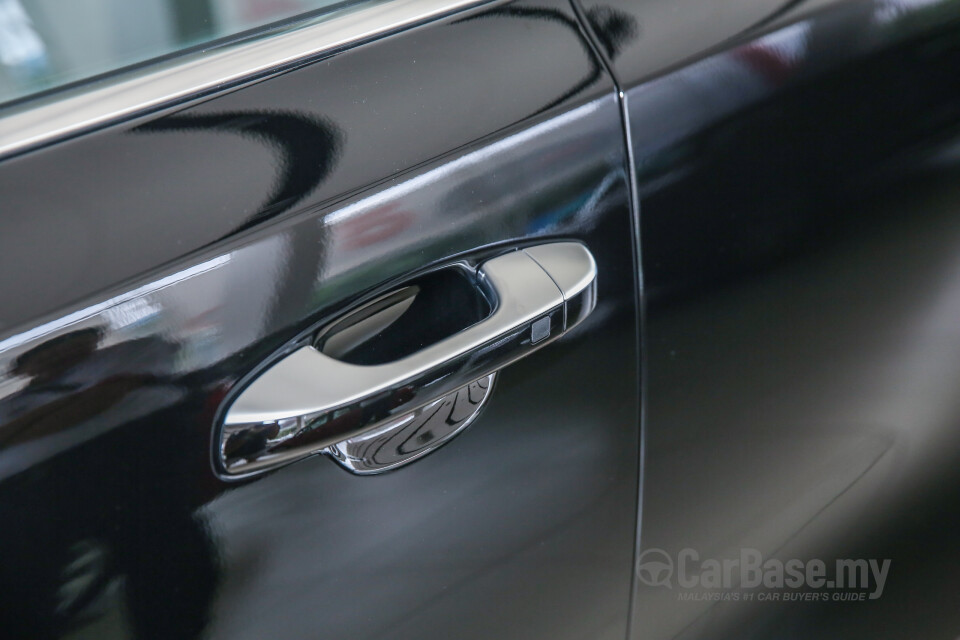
655, 568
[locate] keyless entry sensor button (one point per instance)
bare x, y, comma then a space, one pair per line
540, 330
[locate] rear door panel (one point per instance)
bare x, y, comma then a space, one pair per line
797, 181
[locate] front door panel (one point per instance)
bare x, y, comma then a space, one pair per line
197, 243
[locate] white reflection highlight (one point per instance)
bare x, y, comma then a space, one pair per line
471, 159
888, 11
14, 342
20, 45
789, 44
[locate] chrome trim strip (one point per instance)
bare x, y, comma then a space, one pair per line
128, 94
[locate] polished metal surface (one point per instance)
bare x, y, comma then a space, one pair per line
309, 381
574, 271
569, 264
416, 434
310, 400
186, 77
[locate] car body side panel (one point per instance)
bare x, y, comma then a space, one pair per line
643, 39
799, 211
199, 242
110, 206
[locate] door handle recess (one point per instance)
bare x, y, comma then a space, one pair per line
371, 418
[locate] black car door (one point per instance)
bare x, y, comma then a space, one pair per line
796, 169
172, 230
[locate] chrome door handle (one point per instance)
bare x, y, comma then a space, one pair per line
310, 402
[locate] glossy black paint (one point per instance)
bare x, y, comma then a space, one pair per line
268, 210
643, 39
143, 194
796, 168
799, 230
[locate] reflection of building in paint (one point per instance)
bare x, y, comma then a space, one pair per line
678, 106
358, 230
